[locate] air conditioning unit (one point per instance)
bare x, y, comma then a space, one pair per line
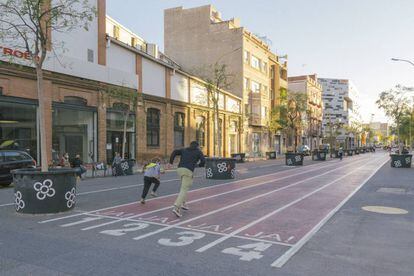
152, 50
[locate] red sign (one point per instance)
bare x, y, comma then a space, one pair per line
15, 53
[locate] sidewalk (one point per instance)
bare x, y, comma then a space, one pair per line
359, 242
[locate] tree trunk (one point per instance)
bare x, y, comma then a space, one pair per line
42, 121
218, 130
124, 134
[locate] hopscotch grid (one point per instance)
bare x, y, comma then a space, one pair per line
199, 189
282, 260
208, 197
238, 203
278, 210
185, 228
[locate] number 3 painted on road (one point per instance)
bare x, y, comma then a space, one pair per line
187, 237
248, 255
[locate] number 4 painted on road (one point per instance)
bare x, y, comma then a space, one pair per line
250, 254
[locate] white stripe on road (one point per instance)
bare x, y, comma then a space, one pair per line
209, 187
203, 198
241, 229
238, 203
282, 260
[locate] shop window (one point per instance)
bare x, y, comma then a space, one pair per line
75, 100
179, 127
153, 127
18, 129
200, 130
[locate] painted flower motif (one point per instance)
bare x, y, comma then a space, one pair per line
298, 158
124, 166
209, 173
233, 173
70, 197
44, 189
222, 167
407, 160
289, 162
18, 201
397, 163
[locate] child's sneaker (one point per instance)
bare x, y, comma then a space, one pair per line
142, 201
185, 207
154, 194
177, 212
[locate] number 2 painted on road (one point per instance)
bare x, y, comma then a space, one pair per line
120, 232
250, 254
187, 237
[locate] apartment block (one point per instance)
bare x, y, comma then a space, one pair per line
309, 85
197, 37
340, 100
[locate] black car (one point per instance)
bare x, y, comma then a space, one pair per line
11, 160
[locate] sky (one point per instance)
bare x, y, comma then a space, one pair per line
350, 39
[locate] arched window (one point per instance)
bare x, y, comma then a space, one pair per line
200, 130
179, 127
153, 127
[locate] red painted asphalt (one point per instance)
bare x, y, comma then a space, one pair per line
272, 193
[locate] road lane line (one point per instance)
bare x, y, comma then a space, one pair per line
240, 202
241, 229
204, 188
204, 198
282, 260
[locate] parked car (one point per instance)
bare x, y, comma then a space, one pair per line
304, 149
11, 160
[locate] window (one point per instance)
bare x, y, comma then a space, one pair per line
134, 41
246, 83
272, 94
246, 56
264, 112
153, 127
256, 109
116, 32
255, 87
272, 72
220, 133
264, 67
265, 89
90, 55
255, 62
179, 126
200, 130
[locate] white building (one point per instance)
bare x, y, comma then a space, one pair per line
340, 99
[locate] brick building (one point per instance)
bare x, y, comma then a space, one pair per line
82, 118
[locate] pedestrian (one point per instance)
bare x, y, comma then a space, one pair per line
340, 153
190, 157
78, 164
116, 165
64, 161
152, 173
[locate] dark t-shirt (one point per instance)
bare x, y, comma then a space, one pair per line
189, 158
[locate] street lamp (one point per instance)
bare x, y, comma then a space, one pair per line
404, 60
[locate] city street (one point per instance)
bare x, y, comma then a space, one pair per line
271, 220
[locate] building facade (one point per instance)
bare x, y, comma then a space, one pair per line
198, 37
83, 117
340, 109
312, 119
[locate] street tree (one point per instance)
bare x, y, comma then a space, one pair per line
287, 117
216, 79
127, 101
29, 24
395, 103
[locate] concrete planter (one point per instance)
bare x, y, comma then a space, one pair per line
294, 159
271, 155
220, 168
401, 160
319, 154
37, 192
240, 157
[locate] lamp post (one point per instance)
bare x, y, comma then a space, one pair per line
403, 60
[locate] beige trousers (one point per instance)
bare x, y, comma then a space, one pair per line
186, 181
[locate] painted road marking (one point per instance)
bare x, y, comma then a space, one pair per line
385, 210
203, 198
205, 188
282, 260
241, 229
239, 203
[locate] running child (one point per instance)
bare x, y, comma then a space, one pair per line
152, 173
